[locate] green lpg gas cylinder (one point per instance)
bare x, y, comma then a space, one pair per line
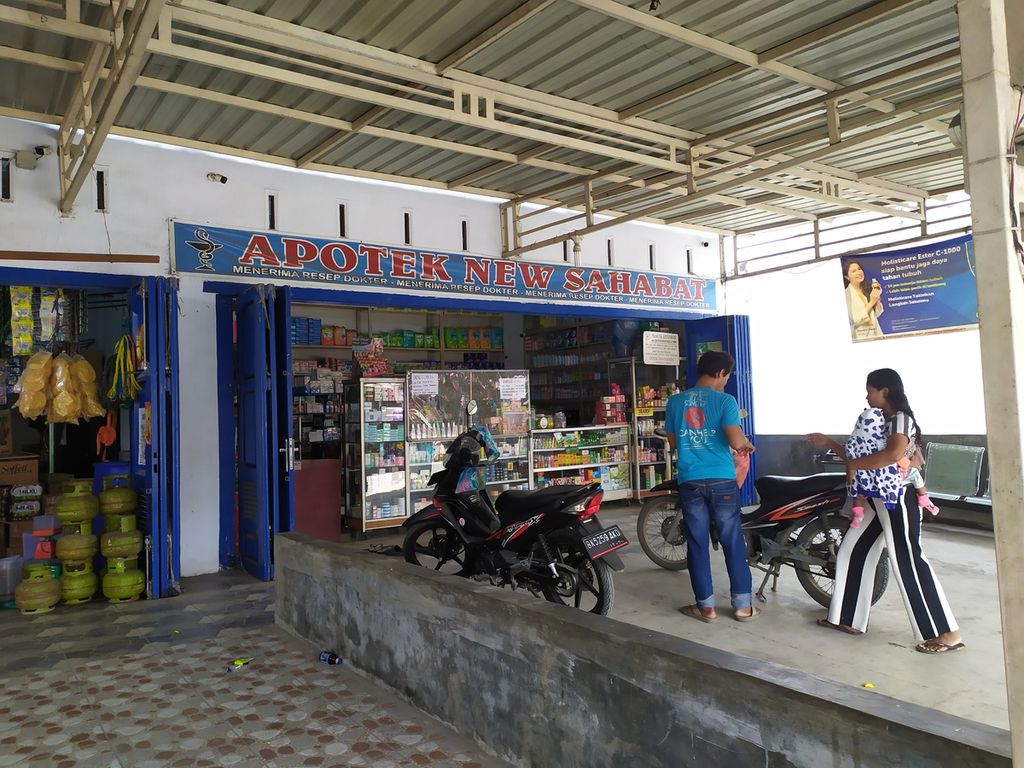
41, 569
123, 587
117, 498
121, 564
78, 588
77, 566
76, 547
83, 528
37, 595
119, 522
121, 543
77, 504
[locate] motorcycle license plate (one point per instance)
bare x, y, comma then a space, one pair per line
603, 542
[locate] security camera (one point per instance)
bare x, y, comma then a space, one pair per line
217, 177
43, 149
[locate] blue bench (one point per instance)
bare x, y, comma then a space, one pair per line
953, 473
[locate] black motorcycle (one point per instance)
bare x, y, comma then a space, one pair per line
798, 524
548, 541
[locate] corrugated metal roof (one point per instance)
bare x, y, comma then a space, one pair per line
554, 94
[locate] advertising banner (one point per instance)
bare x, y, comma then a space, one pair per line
911, 291
277, 257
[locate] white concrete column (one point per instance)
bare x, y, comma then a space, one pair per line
990, 105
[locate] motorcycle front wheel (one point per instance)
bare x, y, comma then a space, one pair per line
582, 583
818, 579
659, 529
432, 544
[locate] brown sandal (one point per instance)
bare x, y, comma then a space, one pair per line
839, 627
933, 647
694, 612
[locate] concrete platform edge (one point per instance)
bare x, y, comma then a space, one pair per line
543, 685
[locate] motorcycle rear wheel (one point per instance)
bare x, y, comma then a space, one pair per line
432, 544
659, 529
819, 581
584, 583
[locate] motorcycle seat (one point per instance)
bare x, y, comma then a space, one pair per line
776, 487
513, 506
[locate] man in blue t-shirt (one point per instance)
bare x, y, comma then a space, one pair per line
703, 426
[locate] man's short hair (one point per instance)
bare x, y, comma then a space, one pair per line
712, 363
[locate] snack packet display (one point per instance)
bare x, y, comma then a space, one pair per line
84, 376
33, 385
65, 399
22, 323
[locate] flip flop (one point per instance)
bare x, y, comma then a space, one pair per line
754, 613
693, 611
839, 627
932, 647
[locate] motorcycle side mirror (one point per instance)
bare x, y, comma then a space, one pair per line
471, 408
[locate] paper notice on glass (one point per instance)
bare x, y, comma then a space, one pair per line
512, 388
661, 348
423, 384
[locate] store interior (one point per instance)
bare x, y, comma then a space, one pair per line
68, 379
377, 394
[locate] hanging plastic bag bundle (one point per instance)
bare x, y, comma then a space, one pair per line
33, 385
85, 379
65, 400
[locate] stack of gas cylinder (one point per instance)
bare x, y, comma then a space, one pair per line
77, 508
121, 541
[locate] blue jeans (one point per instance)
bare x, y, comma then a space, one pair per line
703, 501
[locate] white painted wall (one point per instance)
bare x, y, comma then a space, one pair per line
809, 376
630, 245
150, 184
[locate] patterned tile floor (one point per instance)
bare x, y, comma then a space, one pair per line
147, 684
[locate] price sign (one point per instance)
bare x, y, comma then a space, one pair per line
512, 388
661, 348
424, 384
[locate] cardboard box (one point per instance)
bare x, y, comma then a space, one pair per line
6, 432
19, 469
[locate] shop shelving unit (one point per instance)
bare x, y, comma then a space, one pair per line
375, 454
651, 465
428, 327
437, 414
316, 419
580, 455
567, 365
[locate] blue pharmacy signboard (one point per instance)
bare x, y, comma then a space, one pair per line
273, 256
911, 291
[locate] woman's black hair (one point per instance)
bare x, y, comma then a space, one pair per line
888, 379
865, 287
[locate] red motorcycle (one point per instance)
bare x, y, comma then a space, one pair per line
548, 541
798, 524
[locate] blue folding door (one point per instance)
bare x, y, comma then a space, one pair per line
155, 460
730, 333
258, 486
283, 401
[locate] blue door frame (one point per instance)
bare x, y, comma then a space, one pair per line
155, 456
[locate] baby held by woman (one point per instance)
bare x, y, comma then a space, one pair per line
870, 435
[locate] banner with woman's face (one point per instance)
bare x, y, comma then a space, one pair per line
925, 289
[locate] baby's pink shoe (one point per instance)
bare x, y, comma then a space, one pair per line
856, 516
927, 504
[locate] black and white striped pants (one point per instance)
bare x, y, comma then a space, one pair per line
899, 532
